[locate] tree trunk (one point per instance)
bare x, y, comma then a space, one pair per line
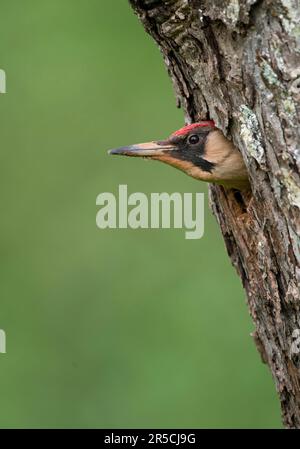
238, 63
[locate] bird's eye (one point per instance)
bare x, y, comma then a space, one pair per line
193, 139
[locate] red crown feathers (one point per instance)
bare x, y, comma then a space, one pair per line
188, 128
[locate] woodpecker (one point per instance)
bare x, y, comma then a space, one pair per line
200, 150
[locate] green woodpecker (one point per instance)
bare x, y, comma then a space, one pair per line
200, 150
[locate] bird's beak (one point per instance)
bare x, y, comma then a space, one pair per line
149, 149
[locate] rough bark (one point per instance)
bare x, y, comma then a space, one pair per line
238, 62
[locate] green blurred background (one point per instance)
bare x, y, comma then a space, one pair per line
107, 328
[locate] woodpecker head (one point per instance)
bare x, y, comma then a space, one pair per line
200, 150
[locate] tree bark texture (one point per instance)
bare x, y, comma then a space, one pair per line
238, 63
